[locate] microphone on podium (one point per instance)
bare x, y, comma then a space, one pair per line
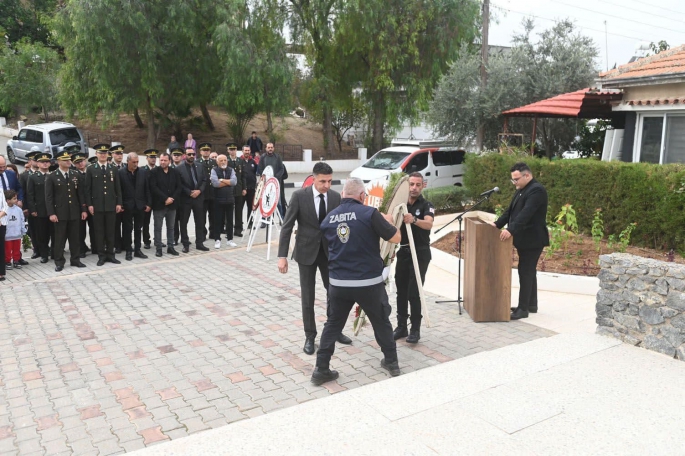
490, 192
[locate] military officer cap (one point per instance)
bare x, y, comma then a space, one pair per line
232, 146
32, 155
151, 152
119, 149
101, 148
64, 155
93, 160
205, 146
43, 157
177, 151
73, 149
78, 157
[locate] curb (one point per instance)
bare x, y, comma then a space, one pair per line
299, 184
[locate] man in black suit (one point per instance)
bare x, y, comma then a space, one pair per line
165, 187
136, 198
308, 207
526, 220
151, 157
103, 196
193, 185
80, 161
117, 153
66, 206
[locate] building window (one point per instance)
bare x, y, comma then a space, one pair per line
650, 146
661, 139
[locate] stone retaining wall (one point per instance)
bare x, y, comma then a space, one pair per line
642, 302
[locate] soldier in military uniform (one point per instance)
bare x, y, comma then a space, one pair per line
24, 182
65, 203
118, 162
38, 209
208, 164
151, 155
103, 197
238, 165
177, 158
78, 159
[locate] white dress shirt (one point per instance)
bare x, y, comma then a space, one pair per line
317, 199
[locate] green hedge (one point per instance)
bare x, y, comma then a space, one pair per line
626, 192
446, 199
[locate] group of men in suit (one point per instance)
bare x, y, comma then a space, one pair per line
116, 200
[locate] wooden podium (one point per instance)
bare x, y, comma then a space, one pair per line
487, 272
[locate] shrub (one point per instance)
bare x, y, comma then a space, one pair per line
446, 199
626, 192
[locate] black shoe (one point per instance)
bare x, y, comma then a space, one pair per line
158, 253
114, 261
117, 251
146, 246
35, 255
309, 346
101, 261
23, 262
320, 375
414, 336
44, 260
171, 251
186, 249
163, 245
77, 264
532, 310
238, 234
519, 314
393, 367
129, 256
58, 268
400, 332
139, 254
201, 247
343, 339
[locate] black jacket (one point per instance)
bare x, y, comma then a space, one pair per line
526, 217
138, 196
36, 194
187, 185
164, 185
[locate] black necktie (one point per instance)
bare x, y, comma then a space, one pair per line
322, 207
193, 175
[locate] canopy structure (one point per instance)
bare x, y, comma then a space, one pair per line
582, 104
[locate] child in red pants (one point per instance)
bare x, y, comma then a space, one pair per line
16, 228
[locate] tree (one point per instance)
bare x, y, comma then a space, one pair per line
251, 49
28, 77
658, 47
137, 56
26, 20
400, 49
348, 115
560, 61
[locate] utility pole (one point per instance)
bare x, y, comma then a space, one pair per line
606, 44
484, 50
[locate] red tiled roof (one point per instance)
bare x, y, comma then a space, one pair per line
664, 63
584, 103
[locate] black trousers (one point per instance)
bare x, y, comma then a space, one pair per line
67, 230
177, 223
31, 231
374, 301
133, 224
223, 216
238, 223
407, 288
103, 223
528, 291
307, 286
42, 227
119, 222
197, 206
248, 200
147, 217
208, 214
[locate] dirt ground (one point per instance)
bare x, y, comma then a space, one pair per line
580, 258
289, 130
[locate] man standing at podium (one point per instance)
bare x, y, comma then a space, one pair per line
420, 214
526, 220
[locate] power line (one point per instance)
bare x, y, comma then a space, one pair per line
617, 17
679, 20
661, 7
581, 27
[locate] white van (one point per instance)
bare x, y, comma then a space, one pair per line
440, 166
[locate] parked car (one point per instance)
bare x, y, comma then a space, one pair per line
53, 136
570, 154
440, 166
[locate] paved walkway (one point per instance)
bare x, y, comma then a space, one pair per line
116, 358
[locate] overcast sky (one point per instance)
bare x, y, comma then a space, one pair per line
628, 22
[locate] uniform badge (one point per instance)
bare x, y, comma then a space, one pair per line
343, 232
418, 212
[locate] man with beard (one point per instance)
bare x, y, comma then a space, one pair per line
250, 171
151, 156
223, 180
208, 211
165, 187
136, 198
238, 166
193, 186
